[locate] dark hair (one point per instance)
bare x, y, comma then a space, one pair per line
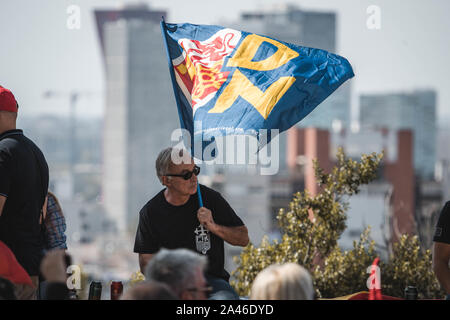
6, 290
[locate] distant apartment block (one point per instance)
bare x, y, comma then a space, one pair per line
415, 111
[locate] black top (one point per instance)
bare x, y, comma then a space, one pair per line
162, 225
442, 233
57, 291
24, 183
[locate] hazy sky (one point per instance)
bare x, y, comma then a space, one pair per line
38, 52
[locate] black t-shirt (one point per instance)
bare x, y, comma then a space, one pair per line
442, 233
24, 183
162, 225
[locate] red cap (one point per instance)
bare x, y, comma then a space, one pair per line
7, 100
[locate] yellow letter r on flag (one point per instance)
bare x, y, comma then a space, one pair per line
240, 85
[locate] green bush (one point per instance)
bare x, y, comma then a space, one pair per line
313, 243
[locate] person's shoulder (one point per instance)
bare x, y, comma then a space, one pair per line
442, 231
447, 205
8, 143
33, 145
53, 204
51, 196
446, 209
445, 213
153, 203
9, 149
208, 191
18, 144
204, 188
213, 197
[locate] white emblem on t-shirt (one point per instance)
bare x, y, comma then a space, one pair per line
202, 240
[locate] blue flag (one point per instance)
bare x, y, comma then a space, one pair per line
230, 82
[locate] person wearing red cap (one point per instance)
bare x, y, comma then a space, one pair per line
23, 189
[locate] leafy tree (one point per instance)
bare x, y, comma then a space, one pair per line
311, 227
136, 278
410, 265
343, 273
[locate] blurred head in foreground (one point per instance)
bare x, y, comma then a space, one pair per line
289, 281
182, 270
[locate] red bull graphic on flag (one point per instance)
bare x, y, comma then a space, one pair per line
198, 68
230, 82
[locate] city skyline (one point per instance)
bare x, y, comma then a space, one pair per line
138, 121
415, 111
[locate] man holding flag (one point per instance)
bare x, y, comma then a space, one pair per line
174, 219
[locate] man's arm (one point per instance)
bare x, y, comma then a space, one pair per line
441, 258
2, 204
144, 258
236, 236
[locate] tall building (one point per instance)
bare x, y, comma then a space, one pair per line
140, 111
415, 111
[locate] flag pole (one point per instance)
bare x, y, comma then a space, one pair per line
177, 97
172, 73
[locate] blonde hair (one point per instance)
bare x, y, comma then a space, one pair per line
289, 281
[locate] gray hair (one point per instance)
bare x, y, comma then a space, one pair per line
289, 281
170, 156
176, 268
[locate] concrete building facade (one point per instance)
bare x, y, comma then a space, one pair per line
415, 111
140, 111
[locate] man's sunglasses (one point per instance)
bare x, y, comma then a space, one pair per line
187, 175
